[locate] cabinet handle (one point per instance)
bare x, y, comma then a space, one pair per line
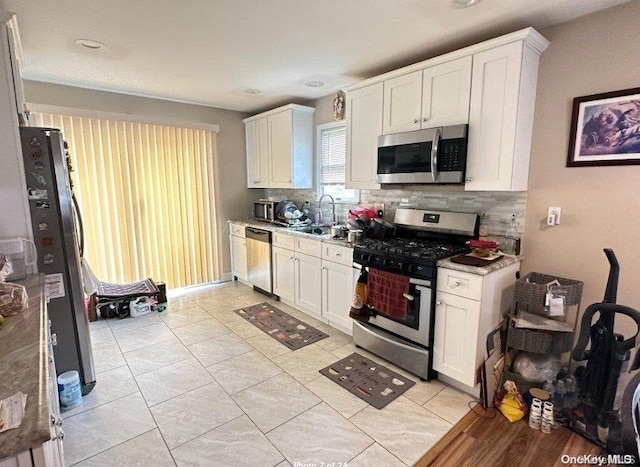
456, 284
338, 254
425, 119
438, 302
416, 120
54, 339
468, 180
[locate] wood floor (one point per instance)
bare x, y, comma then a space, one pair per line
479, 441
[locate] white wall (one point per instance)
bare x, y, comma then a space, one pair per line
600, 205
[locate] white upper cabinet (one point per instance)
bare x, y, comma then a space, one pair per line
402, 101
445, 93
435, 96
257, 153
281, 144
280, 148
364, 125
490, 85
501, 117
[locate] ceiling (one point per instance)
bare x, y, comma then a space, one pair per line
208, 51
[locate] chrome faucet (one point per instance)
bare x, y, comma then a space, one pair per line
333, 207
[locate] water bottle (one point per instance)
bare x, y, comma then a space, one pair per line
510, 241
571, 397
559, 398
548, 386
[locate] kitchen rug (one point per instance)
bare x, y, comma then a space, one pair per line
283, 327
370, 381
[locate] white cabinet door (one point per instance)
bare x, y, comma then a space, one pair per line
280, 145
282, 264
257, 140
402, 97
445, 93
308, 283
456, 337
364, 125
493, 123
337, 293
239, 257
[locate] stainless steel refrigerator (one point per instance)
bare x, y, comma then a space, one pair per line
56, 225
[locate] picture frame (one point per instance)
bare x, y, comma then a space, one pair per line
605, 129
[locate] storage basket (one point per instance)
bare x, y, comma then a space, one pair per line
532, 289
529, 340
539, 341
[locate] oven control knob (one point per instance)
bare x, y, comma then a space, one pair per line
410, 268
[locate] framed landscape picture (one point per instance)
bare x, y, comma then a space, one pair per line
605, 129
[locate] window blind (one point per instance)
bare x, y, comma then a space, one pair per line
147, 198
333, 149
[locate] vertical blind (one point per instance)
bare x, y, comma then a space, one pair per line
147, 198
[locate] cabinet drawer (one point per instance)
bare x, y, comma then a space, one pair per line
283, 240
460, 283
237, 230
310, 247
337, 254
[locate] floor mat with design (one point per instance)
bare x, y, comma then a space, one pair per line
370, 381
283, 327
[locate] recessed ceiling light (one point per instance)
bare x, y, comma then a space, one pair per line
464, 3
314, 84
89, 44
252, 91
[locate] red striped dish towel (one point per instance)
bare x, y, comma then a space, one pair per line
385, 293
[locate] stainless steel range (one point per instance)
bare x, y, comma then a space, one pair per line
405, 336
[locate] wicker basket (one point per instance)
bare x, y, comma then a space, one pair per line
532, 288
538, 341
529, 340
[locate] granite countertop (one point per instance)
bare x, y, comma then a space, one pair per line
24, 366
505, 261
325, 238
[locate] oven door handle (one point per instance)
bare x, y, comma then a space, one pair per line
386, 339
412, 280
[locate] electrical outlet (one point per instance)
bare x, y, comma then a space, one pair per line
553, 215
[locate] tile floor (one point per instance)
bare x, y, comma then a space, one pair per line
198, 385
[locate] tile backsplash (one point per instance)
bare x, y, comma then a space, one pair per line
499, 206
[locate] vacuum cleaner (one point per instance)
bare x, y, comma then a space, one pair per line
596, 417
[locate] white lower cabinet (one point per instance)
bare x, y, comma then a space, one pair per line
283, 273
308, 283
239, 257
337, 293
314, 276
456, 337
468, 307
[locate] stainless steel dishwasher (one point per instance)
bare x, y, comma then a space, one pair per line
259, 258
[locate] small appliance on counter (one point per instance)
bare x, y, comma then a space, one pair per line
265, 210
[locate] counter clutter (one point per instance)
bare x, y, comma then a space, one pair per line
24, 366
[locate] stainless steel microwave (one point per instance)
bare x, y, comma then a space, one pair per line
433, 155
265, 210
